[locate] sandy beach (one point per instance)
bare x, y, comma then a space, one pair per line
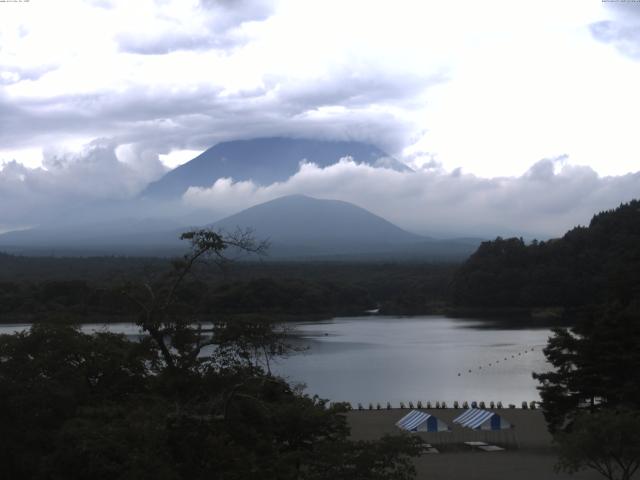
528, 454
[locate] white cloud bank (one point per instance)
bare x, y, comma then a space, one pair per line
101, 183
488, 86
548, 199
99, 172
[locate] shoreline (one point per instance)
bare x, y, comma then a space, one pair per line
499, 317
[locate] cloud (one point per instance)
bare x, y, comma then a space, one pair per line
198, 116
208, 79
106, 4
546, 201
490, 90
622, 30
173, 27
101, 172
10, 74
100, 183
626, 38
185, 74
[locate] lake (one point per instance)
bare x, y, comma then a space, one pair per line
379, 359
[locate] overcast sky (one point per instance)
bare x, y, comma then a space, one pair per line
99, 97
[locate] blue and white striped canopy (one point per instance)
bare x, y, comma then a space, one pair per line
416, 421
478, 419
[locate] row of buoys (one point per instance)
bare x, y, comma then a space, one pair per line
441, 405
519, 354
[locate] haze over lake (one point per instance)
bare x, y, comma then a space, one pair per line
392, 359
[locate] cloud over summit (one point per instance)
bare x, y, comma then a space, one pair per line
486, 87
103, 180
545, 201
470, 93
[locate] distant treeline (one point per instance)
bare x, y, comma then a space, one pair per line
92, 288
588, 265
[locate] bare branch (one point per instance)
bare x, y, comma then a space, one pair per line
204, 244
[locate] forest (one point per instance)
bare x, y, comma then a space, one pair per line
587, 266
90, 289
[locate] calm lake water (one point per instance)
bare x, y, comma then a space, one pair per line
381, 359
393, 359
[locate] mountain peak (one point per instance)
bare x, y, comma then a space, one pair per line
319, 223
263, 161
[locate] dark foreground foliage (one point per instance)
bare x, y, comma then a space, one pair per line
591, 397
595, 365
607, 441
78, 406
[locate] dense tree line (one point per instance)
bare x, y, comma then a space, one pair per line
279, 289
21, 269
588, 265
48, 300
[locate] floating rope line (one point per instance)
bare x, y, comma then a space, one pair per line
496, 362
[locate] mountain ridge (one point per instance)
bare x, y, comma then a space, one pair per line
264, 161
312, 218
297, 226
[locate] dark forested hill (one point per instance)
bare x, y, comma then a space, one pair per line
587, 265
